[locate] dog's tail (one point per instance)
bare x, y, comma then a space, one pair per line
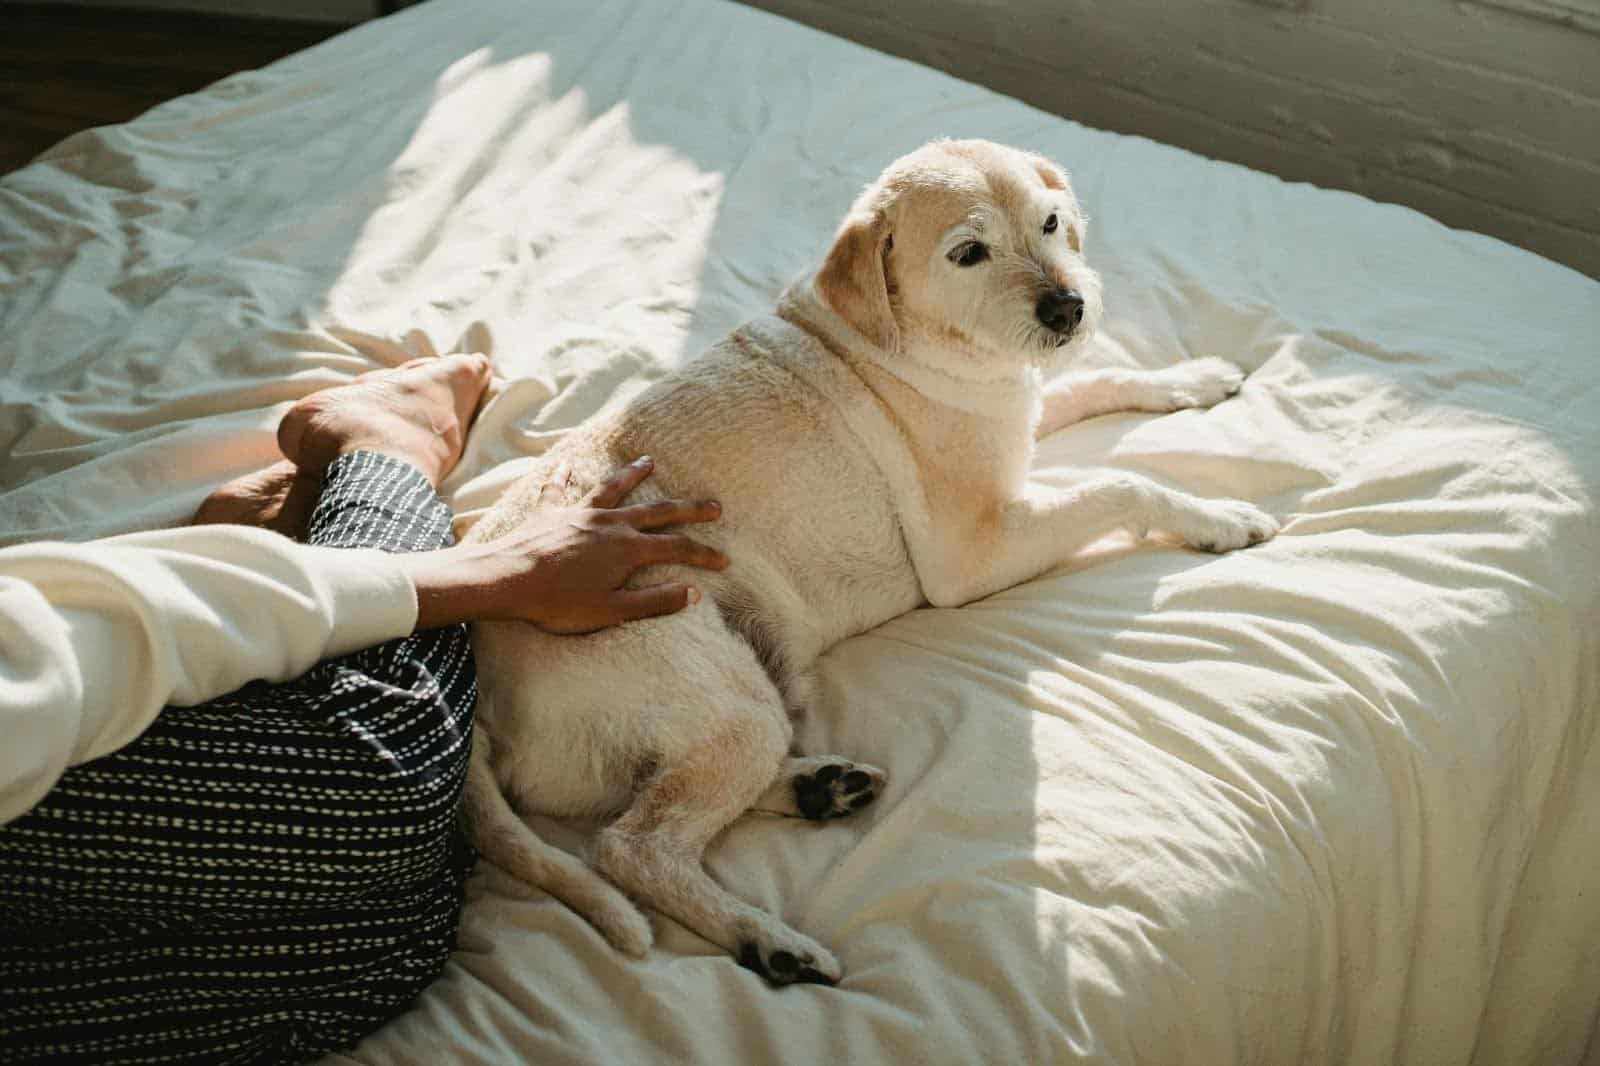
505, 840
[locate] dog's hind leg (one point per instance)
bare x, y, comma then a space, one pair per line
820, 787
654, 850
505, 840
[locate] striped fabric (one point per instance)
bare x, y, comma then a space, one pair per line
267, 876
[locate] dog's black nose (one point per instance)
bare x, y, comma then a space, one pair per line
1060, 309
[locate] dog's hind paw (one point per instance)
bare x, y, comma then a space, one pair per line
820, 787
799, 963
835, 787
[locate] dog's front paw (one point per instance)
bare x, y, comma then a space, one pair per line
786, 957
836, 788
1196, 383
1226, 525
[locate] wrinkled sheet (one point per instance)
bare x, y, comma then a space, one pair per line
1332, 800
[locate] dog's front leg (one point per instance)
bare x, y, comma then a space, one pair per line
1195, 383
1046, 527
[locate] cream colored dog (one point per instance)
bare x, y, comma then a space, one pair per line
870, 447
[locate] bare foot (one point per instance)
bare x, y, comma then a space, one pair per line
279, 498
418, 413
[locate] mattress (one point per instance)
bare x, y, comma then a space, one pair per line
1335, 799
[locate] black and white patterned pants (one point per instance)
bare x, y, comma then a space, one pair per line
264, 877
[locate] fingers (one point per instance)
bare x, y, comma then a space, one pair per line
609, 494
654, 600
615, 489
659, 548
669, 513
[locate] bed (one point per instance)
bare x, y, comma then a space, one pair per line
1331, 800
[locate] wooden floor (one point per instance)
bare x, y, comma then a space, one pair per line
65, 68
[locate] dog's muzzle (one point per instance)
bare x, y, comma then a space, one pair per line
1060, 311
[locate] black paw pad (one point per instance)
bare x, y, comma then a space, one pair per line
833, 791
812, 796
782, 967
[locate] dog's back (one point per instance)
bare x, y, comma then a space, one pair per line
807, 515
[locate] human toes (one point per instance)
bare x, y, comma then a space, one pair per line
469, 376
433, 391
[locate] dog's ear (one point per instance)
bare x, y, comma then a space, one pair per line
1056, 178
854, 278
1052, 176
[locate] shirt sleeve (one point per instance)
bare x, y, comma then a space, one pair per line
96, 638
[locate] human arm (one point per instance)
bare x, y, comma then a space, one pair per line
96, 638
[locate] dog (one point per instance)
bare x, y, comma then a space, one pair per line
870, 445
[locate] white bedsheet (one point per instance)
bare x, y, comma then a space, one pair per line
1332, 800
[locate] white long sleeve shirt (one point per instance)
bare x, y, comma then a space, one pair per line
96, 638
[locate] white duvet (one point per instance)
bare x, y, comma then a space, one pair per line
1331, 800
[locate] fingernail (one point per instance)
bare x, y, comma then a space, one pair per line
694, 595
643, 460
713, 506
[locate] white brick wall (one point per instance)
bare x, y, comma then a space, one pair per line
1482, 113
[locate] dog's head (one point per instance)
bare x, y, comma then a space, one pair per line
968, 255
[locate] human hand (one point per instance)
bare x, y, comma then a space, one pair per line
564, 568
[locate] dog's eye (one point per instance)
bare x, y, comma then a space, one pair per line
970, 254
1050, 224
